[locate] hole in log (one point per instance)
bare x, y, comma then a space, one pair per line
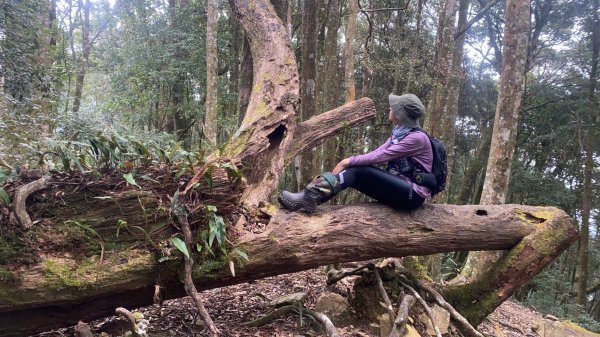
276, 136
481, 212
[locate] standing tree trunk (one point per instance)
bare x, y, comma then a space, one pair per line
308, 74
590, 141
442, 70
349, 52
85, 55
456, 80
210, 118
331, 76
234, 68
504, 134
265, 137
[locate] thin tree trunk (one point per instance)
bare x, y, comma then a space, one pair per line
85, 55
468, 190
590, 141
331, 78
308, 78
237, 36
210, 118
349, 52
442, 70
504, 134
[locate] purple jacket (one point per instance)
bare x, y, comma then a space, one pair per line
415, 145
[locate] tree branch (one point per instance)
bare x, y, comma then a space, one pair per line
314, 131
476, 18
19, 207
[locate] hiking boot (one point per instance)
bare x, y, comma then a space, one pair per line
320, 190
306, 199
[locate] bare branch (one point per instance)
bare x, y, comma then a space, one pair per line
464, 324
476, 18
425, 306
21, 195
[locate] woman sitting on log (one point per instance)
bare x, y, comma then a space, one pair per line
407, 151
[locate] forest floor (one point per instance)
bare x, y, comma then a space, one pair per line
231, 306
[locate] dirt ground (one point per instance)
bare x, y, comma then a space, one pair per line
231, 306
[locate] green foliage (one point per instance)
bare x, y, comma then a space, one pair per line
177, 242
4, 198
122, 224
19, 48
10, 247
130, 180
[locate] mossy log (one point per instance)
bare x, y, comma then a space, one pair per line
64, 287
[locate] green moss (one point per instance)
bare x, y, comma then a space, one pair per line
75, 235
9, 247
64, 274
473, 301
416, 268
7, 277
59, 275
210, 269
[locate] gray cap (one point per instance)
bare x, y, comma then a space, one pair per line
407, 108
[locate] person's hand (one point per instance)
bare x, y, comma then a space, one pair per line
341, 166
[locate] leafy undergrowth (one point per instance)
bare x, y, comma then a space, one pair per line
231, 306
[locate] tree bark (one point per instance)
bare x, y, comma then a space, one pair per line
210, 118
504, 135
292, 242
308, 66
245, 80
85, 55
349, 52
590, 141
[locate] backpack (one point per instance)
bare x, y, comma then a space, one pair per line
436, 180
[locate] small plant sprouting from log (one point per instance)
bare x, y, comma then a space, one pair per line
89, 229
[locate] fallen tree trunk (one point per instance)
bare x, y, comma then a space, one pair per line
61, 289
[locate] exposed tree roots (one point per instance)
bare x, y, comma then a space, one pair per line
406, 302
21, 195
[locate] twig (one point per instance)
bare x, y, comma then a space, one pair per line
425, 306
21, 195
476, 18
333, 276
387, 9
512, 326
464, 324
178, 209
5, 164
406, 303
197, 176
386, 299
329, 327
280, 312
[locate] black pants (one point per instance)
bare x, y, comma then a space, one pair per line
381, 186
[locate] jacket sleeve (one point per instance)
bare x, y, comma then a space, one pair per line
410, 145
